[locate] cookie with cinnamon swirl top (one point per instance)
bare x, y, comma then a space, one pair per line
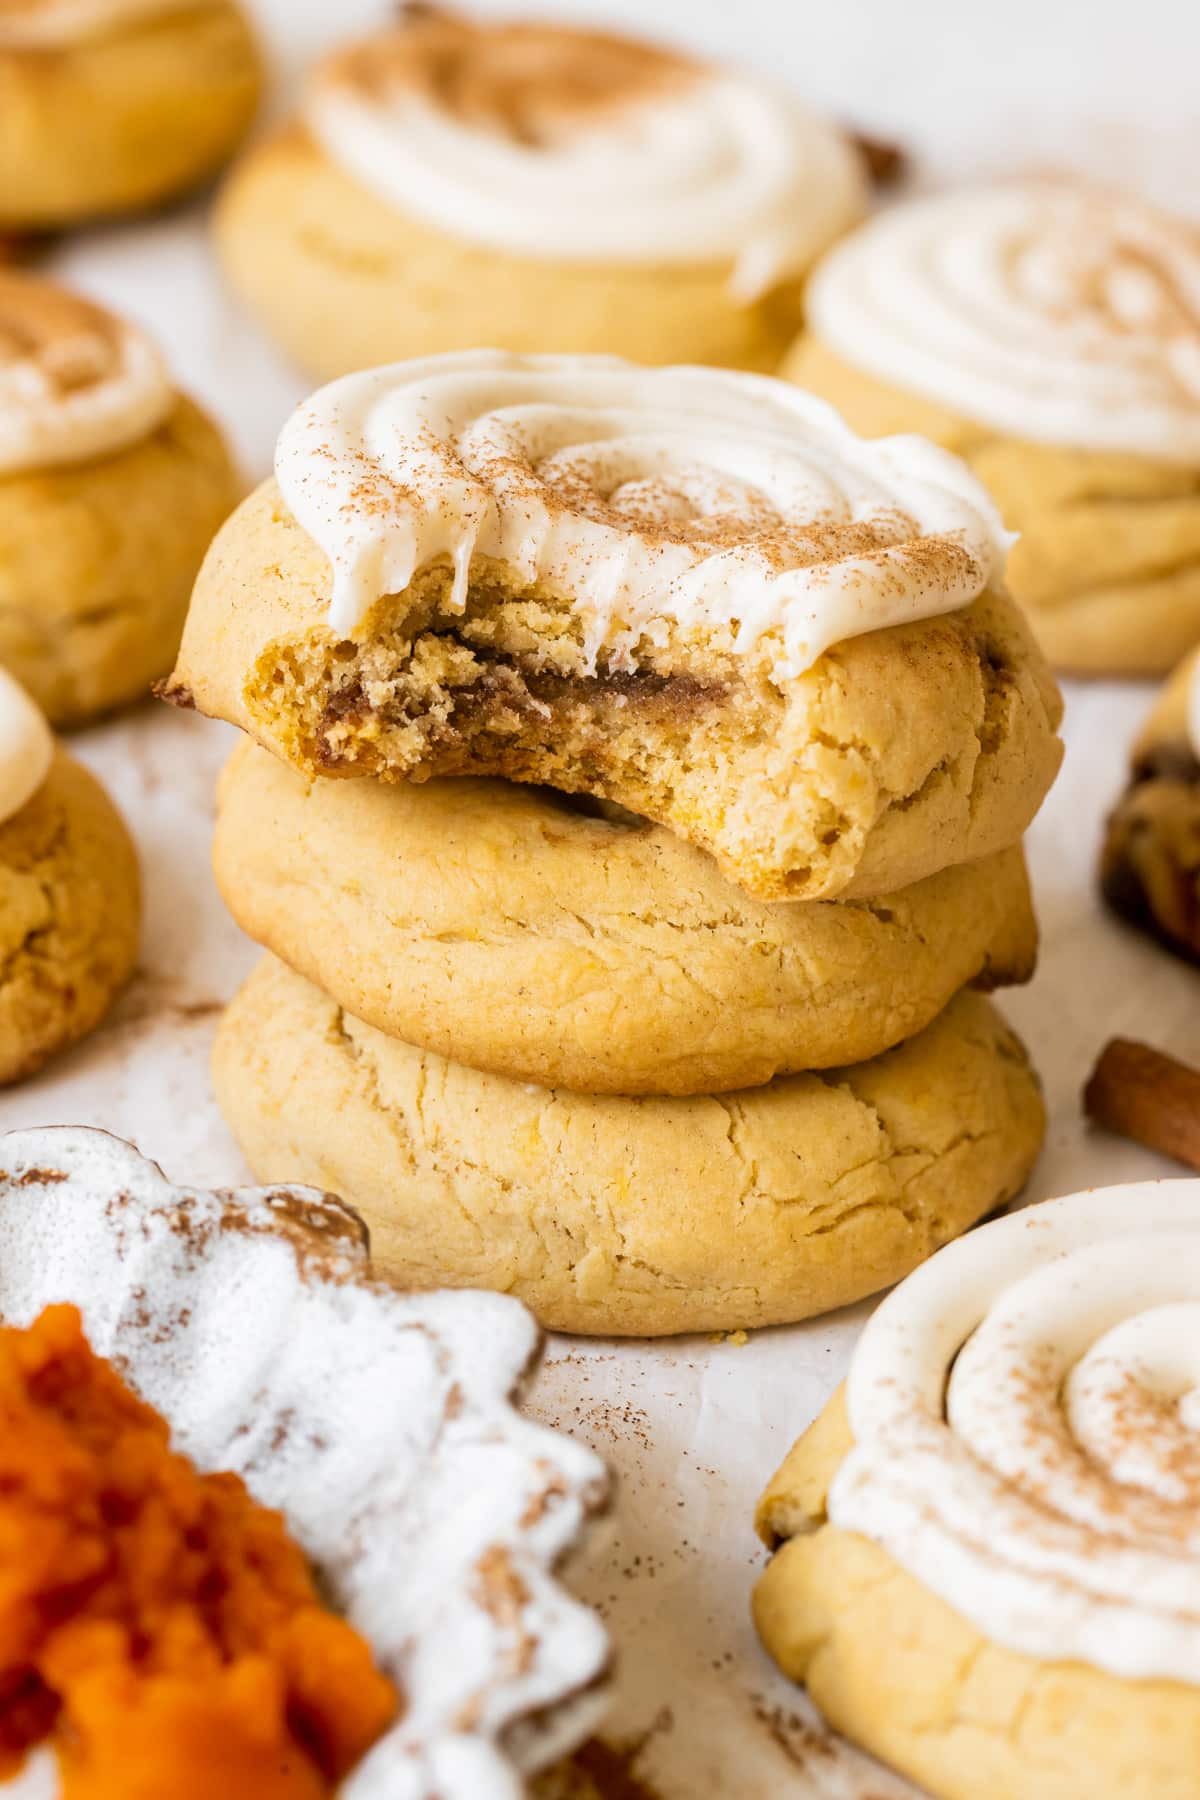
111, 486
691, 592
987, 1554
1048, 332
539, 187
108, 106
1150, 868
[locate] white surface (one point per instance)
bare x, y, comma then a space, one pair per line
693, 1428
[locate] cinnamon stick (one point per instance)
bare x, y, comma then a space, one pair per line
1143, 1094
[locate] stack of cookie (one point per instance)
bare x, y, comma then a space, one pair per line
641, 764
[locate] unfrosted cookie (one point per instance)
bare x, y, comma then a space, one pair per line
520, 932
108, 106
112, 483
70, 903
691, 592
1150, 869
453, 182
619, 1216
987, 1566
1044, 331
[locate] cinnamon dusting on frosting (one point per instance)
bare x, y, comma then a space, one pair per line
1026, 1417
1046, 309
529, 81
691, 500
75, 381
62, 342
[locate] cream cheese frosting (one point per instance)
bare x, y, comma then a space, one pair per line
75, 382
1026, 1416
1047, 310
654, 499
54, 24
570, 146
26, 747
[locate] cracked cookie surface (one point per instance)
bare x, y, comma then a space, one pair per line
517, 931
70, 912
1150, 866
97, 560
901, 752
1107, 564
634, 1216
902, 1673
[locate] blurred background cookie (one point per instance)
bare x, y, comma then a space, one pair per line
70, 905
537, 187
1049, 332
630, 1217
1150, 867
111, 486
108, 106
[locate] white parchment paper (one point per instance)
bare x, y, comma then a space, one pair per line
693, 1428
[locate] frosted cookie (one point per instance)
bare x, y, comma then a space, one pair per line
108, 106
628, 1217
112, 484
989, 1571
1049, 332
70, 903
691, 592
454, 182
509, 928
1150, 869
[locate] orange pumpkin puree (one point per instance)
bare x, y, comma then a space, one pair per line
158, 1628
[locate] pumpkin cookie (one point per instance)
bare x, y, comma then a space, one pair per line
70, 905
1150, 869
109, 106
111, 486
520, 932
454, 182
688, 591
1050, 334
629, 1217
988, 1561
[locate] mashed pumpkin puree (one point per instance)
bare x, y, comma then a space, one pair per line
158, 1628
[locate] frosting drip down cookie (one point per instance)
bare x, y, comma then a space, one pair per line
534, 186
1012, 1494
1050, 332
631, 583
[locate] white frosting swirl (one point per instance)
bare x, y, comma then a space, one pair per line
1047, 310
52, 24
1026, 1415
26, 747
75, 382
566, 146
696, 498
